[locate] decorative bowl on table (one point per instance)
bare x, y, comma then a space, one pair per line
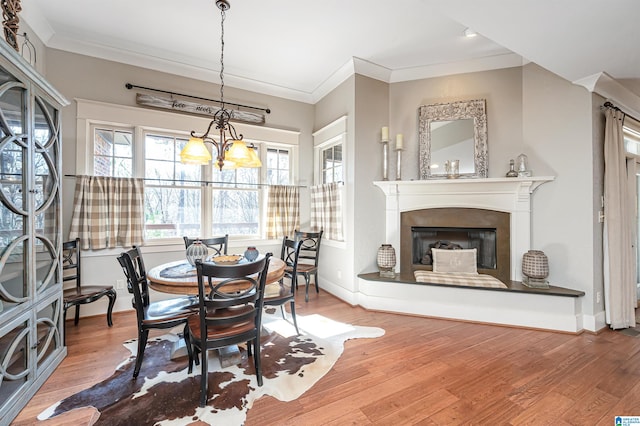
227, 259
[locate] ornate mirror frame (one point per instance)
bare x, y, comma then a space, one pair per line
460, 110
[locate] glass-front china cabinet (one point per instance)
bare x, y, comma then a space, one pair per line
31, 340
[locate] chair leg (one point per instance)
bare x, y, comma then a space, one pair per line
196, 354
64, 324
315, 280
256, 359
306, 287
142, 342
284, 317
77, 318
203, 378
293, 314
187, 342
112, 301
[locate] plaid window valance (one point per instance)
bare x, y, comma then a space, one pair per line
283, 211
326, 210
108, 212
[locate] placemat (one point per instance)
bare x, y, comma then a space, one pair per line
183, 270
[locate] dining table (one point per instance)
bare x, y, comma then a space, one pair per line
180, 277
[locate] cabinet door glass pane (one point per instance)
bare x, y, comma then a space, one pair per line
14, 359
48, 338
13, 207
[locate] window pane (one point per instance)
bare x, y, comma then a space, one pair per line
283, 177
337, 153
235, 212
155, 169
159, 148
272, 158
171, 212
283, 163
102, 166
103, 143
123, 167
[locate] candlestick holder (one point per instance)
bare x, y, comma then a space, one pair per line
385, 159
398, 163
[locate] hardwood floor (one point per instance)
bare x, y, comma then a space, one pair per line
422, 371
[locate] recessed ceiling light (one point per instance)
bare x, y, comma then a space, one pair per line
469, 33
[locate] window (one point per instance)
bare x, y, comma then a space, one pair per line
631, 132
329, 151
235, 202
332, 164
182, 199
278, 166
172, 190
112, 152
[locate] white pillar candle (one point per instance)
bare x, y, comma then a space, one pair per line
399, 141
385, 133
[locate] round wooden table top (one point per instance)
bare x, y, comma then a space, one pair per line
180, 277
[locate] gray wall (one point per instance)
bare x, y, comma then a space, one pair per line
529, 110
78, 76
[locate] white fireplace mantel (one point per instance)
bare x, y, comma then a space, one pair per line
511, 195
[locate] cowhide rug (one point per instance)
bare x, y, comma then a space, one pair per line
164, 394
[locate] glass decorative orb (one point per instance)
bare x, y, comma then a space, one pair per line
196, 251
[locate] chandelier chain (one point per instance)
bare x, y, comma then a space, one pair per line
223, 15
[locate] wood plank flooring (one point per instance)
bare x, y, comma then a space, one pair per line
422, 371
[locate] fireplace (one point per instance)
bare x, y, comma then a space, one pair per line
488, 231
503, 204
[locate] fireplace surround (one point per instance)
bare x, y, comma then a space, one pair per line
510, 196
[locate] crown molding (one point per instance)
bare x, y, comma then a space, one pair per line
610, 88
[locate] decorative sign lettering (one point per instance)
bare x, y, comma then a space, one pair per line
188, 107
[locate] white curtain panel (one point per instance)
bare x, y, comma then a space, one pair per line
619, 258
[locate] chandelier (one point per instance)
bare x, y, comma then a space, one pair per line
232, 151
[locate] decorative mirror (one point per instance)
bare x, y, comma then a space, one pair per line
450, 132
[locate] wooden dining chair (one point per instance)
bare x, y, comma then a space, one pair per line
218, 245
81, 294
230, 312
163, 314
278, 294
308, 259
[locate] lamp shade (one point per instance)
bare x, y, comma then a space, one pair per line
195, 152
238, 152
254, 160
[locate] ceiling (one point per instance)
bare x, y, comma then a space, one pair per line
301, 49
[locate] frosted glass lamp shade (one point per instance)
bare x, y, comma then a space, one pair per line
195, 152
